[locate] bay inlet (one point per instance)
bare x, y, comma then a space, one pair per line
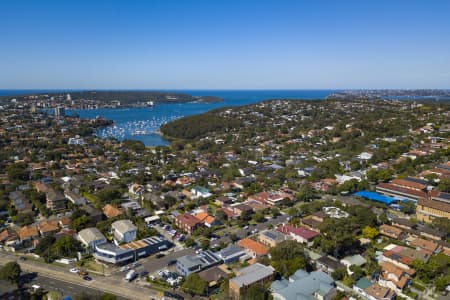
142, 124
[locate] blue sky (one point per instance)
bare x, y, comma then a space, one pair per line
213, 44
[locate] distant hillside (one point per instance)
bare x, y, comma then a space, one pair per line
199, 126
125, 97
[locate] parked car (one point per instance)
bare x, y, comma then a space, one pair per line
87, 278
74, 270
131, 275
171, 262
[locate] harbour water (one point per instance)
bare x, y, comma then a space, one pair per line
142, 123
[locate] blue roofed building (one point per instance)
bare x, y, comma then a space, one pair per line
373, 196
304, 286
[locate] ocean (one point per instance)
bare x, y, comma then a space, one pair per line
142, 123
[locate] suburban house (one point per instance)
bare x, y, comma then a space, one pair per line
373, 291
378, 292
272, 237
91, 237
403, 223
300, 234
253, 248
48, 227
123, 231
28, 233
111, 212
328, 264
9, 238
353, 260
199, 192
214, 276
304, 286
394, 277
403, 257
424, 245
206, 219
391, 231
248, 277
74, 197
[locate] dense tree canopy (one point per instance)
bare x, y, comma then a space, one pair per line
287, 257
194, 285
11, 272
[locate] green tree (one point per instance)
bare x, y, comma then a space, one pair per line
108, 297
339, 274
370, 232
306, 193
358, 272
258, 217
194, 285
255, 292
80, 223
66, 246
442, 224
444, 185
189, 242
43, 248
17, 172
10, 272
287, 257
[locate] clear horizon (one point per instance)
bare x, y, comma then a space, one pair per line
224, 45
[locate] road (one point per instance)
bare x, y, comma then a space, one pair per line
57, 276
64, 287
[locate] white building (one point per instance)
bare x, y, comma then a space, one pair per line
91, 237
123, 231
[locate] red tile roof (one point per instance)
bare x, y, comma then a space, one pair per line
254, 246
300, 231
188, 219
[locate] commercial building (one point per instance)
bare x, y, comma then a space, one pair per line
435, 206
113, 254
230, 254
189, 264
